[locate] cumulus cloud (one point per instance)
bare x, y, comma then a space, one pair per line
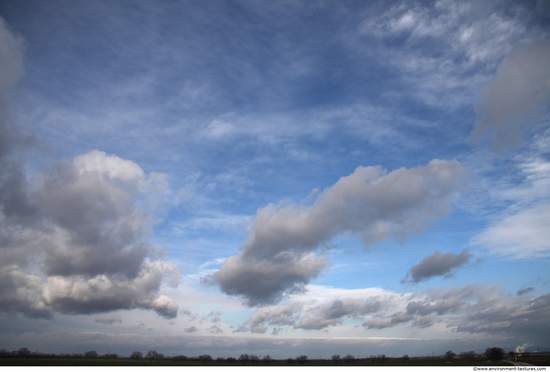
278, 257
516, 97
73, 240
436, 264
191, 329
88, 235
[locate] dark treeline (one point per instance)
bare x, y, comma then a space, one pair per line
492, 353
26, 353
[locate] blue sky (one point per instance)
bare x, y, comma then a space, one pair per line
275, 178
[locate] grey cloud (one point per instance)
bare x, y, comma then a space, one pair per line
87, 233
335, 312
440, 307
525, 291
186, 312
474, 309
280, 316
215, 329
317, 323
258, 328
109, 319
371, 203
341, 308
265, 281
276, 331
74, 239
388, 322
519, 319
191, 329
21, 293
436, 264
241, 329
77, 295
516, 97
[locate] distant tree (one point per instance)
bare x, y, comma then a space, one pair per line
302, 359
136, 355
254, 359
220, 359
449, 355
244, 358
494, 353
336, 358
92, 354
405, 357
23, 353
468, 354
231, 360
110, 356
290, 360
179, 358
349, 358
511, 355
205, 358
152, 354
4, 353
267, 359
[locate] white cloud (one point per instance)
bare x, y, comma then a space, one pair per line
522, 236
520, 230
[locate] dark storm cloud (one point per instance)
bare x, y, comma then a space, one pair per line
371, 203
73, 239
436, 264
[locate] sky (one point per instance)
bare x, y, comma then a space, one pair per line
274, 177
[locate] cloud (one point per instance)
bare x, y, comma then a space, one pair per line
216, 329
521, 292
186, 312
436, 264
317, 323
74, 239
521, 236
371, 203
191, 329
280, 316
516, 97
109, 319
87, 236
11, 57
